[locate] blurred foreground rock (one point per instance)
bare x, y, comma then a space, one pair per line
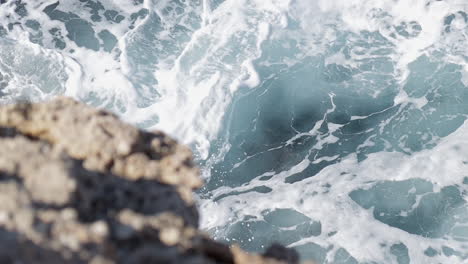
79, 186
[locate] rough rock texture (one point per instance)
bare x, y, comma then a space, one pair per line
79, 186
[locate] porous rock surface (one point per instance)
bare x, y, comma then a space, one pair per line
79, 186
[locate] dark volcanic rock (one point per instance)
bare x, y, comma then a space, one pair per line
79, 186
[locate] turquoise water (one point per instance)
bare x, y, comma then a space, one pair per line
335, 127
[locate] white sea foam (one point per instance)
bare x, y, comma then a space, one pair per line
182, 66
357, 230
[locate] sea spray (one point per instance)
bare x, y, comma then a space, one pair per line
335, 127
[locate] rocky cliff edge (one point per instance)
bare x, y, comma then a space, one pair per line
77, 185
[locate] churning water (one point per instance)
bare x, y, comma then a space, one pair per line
337, 127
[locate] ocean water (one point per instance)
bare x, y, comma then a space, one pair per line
336, 127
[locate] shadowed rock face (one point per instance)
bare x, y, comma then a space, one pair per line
79, 186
